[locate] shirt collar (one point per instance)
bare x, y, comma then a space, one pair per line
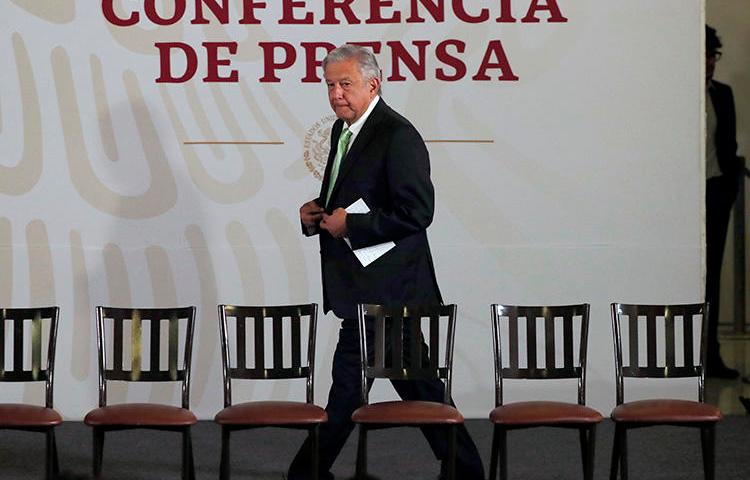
357, 126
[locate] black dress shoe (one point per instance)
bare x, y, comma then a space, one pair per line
719, 370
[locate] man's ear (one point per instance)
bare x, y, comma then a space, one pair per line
374, 84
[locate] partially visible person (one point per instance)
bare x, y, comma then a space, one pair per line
722, 170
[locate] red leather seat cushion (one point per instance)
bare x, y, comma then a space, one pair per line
408, 413
271, 413
19, 415
666, 411
544, 413
140, 415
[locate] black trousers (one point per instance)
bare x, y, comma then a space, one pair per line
345, 397
721, 192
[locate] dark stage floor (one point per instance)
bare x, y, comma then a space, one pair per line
655, 453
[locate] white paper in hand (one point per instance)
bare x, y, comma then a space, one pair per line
367, 255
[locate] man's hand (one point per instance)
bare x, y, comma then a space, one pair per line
335, 223
310, 213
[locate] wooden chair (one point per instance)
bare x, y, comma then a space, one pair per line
144, 324
285, 414
34, 418
646, 413
529, 414
400, 353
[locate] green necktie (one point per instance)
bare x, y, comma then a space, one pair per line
346, 135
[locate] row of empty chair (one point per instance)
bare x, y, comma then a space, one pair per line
405, 343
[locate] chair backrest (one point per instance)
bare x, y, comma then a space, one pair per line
400, 350
549, 320
32, 346
657, 327
251, 320
157, 328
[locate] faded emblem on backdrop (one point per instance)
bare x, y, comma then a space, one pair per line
317, 142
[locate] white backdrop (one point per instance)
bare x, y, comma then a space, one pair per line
591, 190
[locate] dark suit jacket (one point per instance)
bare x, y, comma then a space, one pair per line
726, 127
389, 168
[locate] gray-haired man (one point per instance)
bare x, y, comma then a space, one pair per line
378, 156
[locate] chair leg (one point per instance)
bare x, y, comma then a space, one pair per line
315, 451
452, 452
192, 456
494, 452
224, 471
49, 464
98, 452
55, 459
708, 445
587, 436
624, 454
583, 441
187, 455
362, 453
615, 453
503, 444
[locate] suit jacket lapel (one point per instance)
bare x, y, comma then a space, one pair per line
363, 138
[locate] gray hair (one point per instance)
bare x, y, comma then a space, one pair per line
368, 64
